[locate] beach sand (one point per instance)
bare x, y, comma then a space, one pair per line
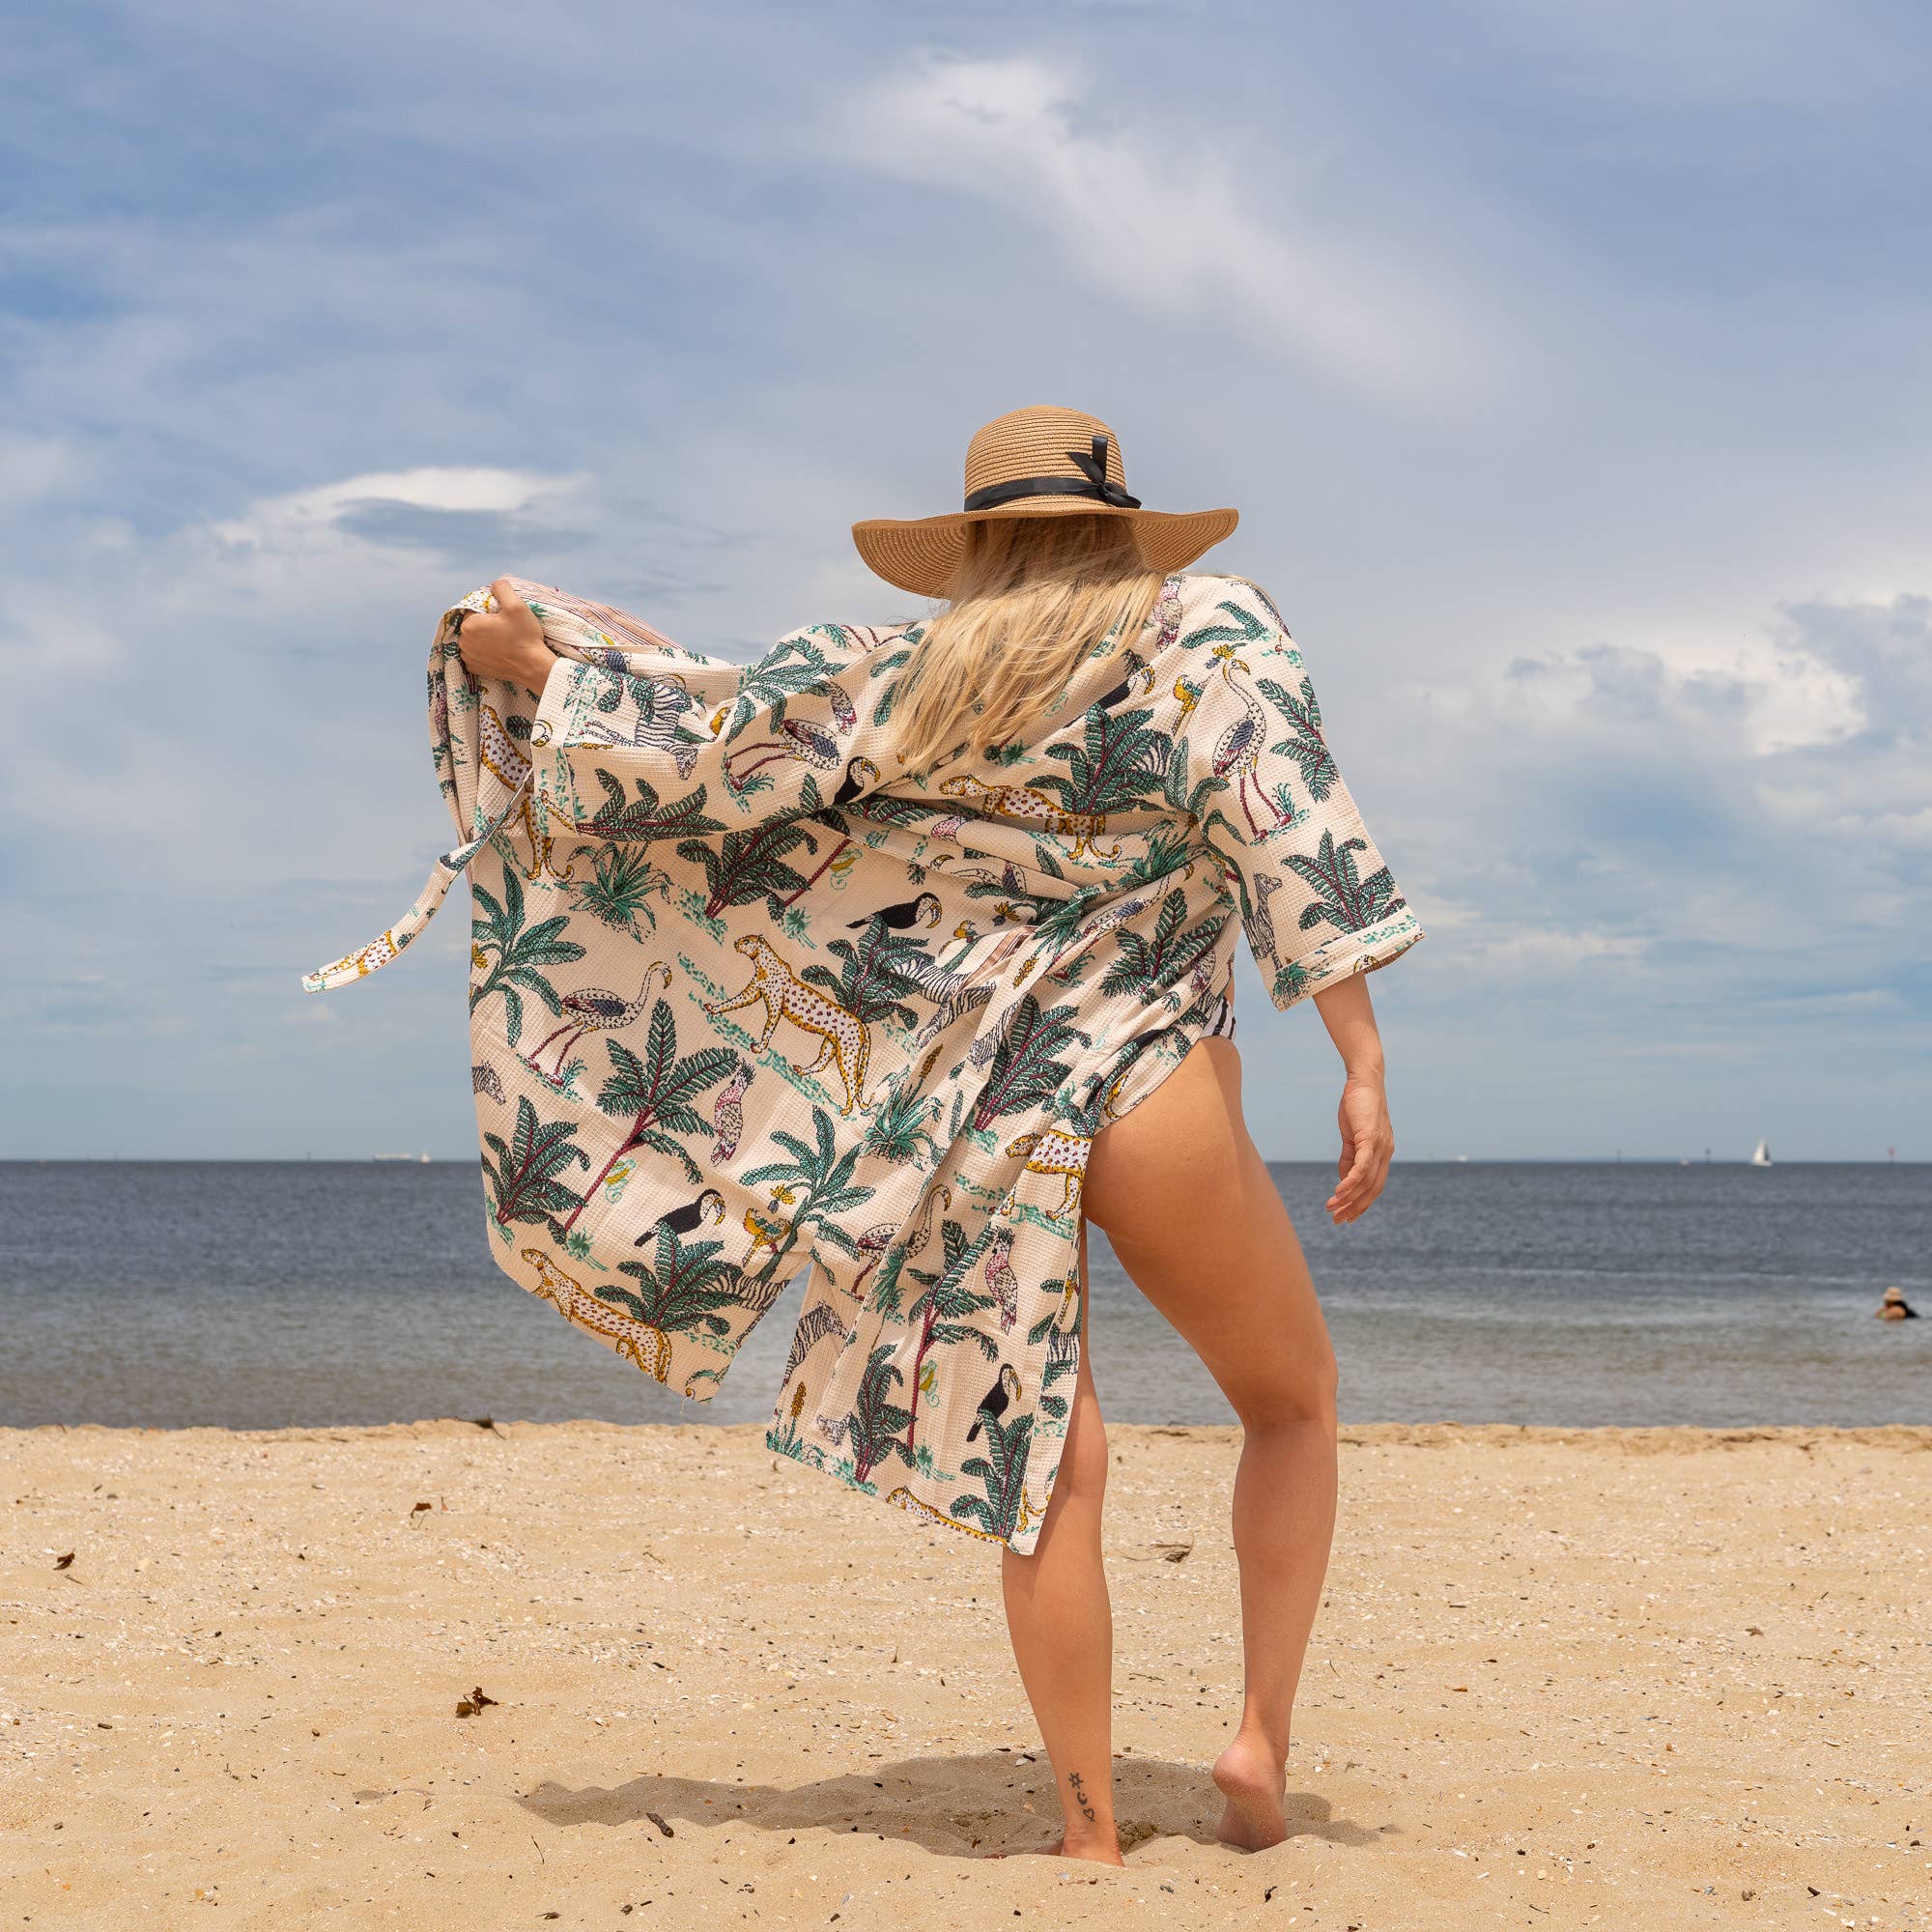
1642, 1678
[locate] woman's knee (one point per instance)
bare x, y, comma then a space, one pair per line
1300, 1394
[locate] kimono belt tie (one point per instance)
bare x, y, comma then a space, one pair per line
449, 869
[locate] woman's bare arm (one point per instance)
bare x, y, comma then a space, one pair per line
1368, 1138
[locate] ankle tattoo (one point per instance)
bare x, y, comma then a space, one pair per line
1080, 1796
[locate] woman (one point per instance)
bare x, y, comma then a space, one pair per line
1085, 761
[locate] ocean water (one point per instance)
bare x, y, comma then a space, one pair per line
256, 1294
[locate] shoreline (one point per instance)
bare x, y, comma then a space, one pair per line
1635, 1437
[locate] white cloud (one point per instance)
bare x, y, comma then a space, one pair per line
297, 517
1165, 224
1770, 696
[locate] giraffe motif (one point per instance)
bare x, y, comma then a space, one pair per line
593, 1010
846, 1041
1023, 802
505, 762
632, 1339
729, 1115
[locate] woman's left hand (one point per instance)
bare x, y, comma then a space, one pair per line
506, 642
1367, 1145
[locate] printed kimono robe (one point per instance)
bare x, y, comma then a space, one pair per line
746, 995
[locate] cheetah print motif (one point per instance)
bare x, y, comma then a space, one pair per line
504, 761
1024, 802
378, 952
644, 1347
846, 1041
1058, 1153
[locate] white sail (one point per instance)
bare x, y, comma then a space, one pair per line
1762, 1156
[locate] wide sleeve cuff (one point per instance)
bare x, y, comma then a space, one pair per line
1341, 958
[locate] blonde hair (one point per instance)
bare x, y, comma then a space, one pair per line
1031, 599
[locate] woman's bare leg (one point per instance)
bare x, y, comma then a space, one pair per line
1062, 1627
1196, 1221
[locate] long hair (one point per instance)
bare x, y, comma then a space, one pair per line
1032, 598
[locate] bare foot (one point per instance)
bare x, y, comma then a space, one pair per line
1252, 1783
1094, 1850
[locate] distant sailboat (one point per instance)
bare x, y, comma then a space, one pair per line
1762, 1156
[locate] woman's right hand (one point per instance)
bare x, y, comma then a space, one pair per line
506, 642
1367, 1145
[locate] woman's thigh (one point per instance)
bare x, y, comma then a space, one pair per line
1194, 1217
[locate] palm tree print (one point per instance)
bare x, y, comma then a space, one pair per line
1110, 770
511, 955
524, 1174
794, 668
681, 1289
877, 974
1159, 961
1001, 1473
1025, 1075
944, 1308
620, 888
900, 1127
646, 816
1344, 900
1304, 743
655, 1094
744, 867
876, 1419
820, 1176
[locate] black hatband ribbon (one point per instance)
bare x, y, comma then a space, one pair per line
1092, 482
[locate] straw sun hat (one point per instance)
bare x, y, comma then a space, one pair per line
1040, 462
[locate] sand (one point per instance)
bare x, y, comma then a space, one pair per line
1644, 1678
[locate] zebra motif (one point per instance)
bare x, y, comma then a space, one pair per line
820, 1318
660, 704
954, 993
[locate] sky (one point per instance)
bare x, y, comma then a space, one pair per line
1567, 363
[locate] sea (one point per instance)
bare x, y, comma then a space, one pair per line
264, 1295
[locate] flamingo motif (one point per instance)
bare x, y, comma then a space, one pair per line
593, 1010
874, 1241
1239, 749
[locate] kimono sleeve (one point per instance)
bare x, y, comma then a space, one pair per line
1318, 899
636, 748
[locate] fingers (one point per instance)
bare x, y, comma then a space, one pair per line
1365, 1164
1349, 1197
498, 644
